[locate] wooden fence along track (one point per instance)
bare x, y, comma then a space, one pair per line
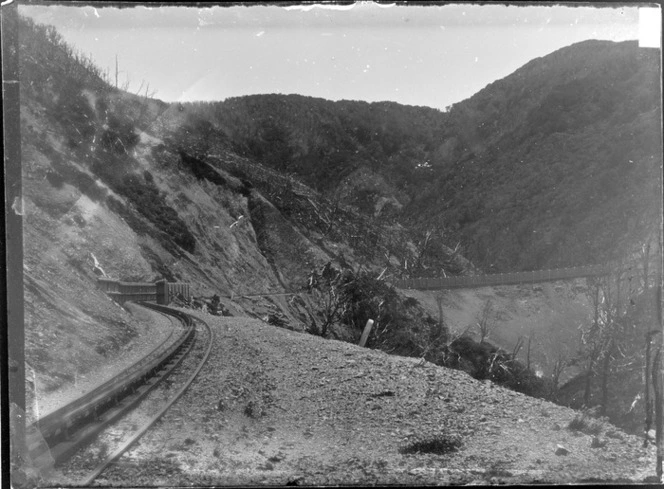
54, 438
503, 278
159, 292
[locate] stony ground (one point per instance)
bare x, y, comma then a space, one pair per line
274, 406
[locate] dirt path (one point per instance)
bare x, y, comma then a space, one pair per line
276, 406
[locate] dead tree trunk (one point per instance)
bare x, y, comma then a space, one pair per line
594, 351
605, 376
589, 374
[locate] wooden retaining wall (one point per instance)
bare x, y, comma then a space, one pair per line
160, 292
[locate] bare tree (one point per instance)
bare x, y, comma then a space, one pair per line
559, 366
422, 249
604, 338
529, 349
591, 342
326, 289
517, 347
485, 321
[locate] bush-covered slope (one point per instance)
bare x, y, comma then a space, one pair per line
555, 165
558, 164
324, 143
116, 177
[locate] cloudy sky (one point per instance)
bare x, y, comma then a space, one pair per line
417, 55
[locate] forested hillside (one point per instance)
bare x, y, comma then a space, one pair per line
320, 141
555, 165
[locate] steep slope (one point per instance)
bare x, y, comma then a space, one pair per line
521, 177
111, 176
95, 183
324, 143
557, 164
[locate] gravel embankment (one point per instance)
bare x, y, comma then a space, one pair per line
84, 461
275, 406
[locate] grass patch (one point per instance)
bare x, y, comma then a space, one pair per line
439, 445
585, 424
254, 409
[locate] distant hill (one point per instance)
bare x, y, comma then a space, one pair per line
555, 165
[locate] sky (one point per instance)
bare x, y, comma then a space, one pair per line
417, 55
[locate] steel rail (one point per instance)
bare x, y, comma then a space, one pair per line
72, 418
125, 446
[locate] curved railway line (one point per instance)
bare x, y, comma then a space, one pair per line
59, 436
55, 438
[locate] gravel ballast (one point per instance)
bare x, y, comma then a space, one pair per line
273, 406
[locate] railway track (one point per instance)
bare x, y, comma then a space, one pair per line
56, 437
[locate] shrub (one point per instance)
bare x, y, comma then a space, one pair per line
585, 424
486, 361
440, 445
254, 409
400, 326
246, 187
89, 187
200, 169
75, 114
130, 218
55, 179
119, 137
150, 203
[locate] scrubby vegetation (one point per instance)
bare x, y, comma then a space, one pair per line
439, 445
151, 204
617, 352
403, 327
586, 424
101, 127
523, 179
